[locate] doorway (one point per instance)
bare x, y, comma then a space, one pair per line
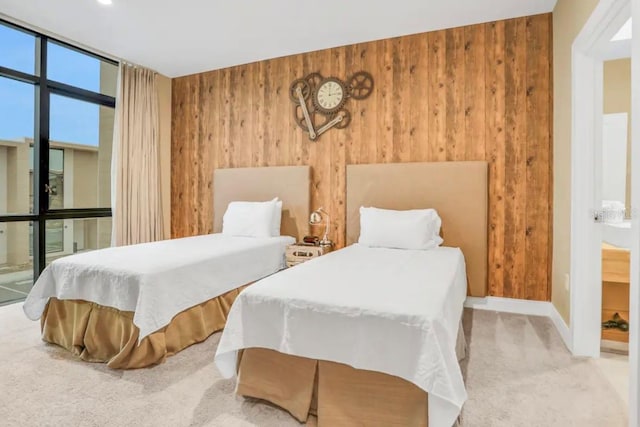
589, 51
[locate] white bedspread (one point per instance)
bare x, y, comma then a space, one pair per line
387, 310
158, 280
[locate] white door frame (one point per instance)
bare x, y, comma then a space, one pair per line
634, 292
586, 173
586, 184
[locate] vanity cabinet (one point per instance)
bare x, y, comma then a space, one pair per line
615, 289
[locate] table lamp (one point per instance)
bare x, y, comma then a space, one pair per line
316, 218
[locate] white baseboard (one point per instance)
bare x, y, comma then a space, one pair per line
509, 305
561, 326
519, 306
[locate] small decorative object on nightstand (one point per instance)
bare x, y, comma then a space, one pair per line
312, 247
301, 252
316, 219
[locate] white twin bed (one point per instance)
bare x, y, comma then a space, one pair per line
158, 280
368, 334
385, 310
133, 306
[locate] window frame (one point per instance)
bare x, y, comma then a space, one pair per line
44, 88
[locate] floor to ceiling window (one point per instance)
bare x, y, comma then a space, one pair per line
56, 129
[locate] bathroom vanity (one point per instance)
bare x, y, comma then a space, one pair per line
615, 288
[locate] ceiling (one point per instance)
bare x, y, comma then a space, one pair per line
620, 44
177, 38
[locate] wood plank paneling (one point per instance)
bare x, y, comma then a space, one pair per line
384, 80
468, 93
455, 84
515, 156
369, 136
418, 94
538, 153
338, 170
437, 100
495, 152
401, 107
474, 92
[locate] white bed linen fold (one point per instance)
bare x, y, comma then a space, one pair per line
158, 280
387, 310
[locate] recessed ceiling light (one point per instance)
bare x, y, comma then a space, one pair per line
624, 33
105, 2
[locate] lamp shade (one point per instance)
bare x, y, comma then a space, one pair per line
315, 218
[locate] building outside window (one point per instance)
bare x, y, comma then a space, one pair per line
56, 129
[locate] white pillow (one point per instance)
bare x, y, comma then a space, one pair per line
411, 229
249, 219
277, 218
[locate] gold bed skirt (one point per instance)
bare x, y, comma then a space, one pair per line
338, 394
96, 333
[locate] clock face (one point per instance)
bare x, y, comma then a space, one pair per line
330, 95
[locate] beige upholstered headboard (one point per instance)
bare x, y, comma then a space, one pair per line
290, 183
457, 190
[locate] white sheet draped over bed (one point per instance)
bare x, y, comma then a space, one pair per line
158, 280
386, 310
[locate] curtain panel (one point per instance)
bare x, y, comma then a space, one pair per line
135, 169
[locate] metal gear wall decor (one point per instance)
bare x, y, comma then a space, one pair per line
316, 96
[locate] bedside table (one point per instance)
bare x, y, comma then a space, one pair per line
299, 253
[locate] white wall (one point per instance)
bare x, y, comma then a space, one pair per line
569, 16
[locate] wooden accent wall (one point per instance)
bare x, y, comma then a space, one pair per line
469, 93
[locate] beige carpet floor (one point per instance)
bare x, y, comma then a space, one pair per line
518, 373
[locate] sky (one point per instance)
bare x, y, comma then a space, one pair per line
71, 120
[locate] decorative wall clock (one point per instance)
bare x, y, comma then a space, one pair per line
318, 98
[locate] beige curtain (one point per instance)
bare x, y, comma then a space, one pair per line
136, 204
